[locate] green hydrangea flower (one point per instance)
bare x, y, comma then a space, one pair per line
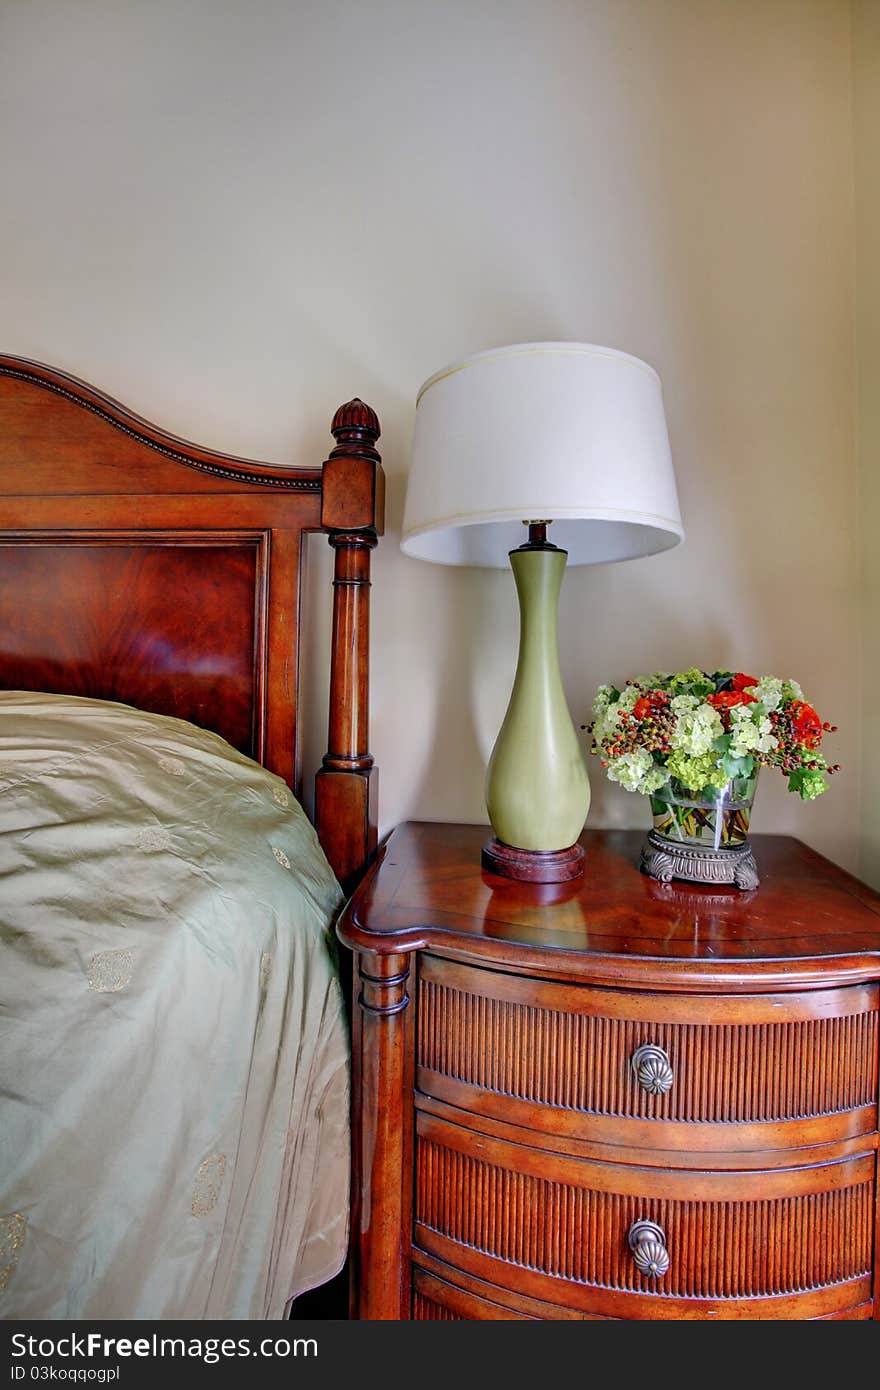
655, 778
769, 691
743, 737
630, 769
681, 704
637, 772
692, 676
602, 700
750, 731
628, 699
696, 772
696, 729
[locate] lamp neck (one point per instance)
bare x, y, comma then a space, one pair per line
537, 537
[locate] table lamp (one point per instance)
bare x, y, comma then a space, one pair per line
569, 441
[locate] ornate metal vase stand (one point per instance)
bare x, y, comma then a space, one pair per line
664, 860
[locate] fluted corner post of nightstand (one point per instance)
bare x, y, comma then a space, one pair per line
381, 1123
352, 513
876, 1312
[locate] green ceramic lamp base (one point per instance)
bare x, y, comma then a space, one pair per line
537, 789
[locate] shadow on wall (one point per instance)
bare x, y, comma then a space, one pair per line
427, 722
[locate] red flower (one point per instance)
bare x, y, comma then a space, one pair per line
740, 681
648, 704
726, 699
806, 724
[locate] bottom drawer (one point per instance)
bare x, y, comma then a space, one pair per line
791, 1243
443, 1294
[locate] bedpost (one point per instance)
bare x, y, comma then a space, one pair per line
352, 510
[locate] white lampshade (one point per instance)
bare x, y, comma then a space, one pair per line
564, 432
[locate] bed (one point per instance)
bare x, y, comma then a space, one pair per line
173, 1045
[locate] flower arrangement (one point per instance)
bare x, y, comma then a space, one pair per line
703, 732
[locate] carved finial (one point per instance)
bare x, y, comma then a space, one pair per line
355, 428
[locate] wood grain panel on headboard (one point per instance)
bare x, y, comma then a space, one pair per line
135, 646
135, 566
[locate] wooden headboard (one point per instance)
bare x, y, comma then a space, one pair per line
135, 566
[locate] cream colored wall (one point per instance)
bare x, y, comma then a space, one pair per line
232, 216
866, 106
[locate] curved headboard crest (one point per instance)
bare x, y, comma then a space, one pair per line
180, 450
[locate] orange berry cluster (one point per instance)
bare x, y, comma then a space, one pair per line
648, 725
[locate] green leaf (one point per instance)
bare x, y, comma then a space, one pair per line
738, 766
807, 782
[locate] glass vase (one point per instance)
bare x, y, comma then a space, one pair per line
714, 818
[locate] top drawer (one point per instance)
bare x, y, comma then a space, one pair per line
749, 1073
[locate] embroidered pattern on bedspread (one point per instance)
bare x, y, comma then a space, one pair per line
173, 766
12, 1233
265, 970
153, 837
208, 1184
110, 971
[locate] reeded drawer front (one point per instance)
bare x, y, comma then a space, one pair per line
791, 1242
800, 1067
435, 1300
424, 1309
439, 1292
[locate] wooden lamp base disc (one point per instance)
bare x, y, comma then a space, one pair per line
533, 865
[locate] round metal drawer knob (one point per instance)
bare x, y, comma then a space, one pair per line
647, 1241
652, 1069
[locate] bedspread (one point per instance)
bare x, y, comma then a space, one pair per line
173, 1052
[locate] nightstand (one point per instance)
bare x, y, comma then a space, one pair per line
616, 1098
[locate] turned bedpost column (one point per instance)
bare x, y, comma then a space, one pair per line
348, 739
352, 508
381, 1122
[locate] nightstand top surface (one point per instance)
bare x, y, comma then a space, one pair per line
808, 921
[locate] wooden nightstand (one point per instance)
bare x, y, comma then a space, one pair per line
613, 1099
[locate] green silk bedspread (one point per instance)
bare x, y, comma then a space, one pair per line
173, 1051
